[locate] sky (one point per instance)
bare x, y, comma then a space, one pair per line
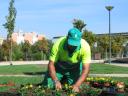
54, 17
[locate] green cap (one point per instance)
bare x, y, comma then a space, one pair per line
74, 37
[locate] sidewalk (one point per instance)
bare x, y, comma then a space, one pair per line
93, 75
108, 75
23, 62
120, 64
45, 62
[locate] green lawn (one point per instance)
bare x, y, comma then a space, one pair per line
22, 69
18, 81
95, 68
39, 69
108, 69
21, 80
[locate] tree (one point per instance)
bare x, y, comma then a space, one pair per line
41, 47
103, 44
117, 44
5, 50
77, 23
89, 37
26, 48
10, 24
17, 53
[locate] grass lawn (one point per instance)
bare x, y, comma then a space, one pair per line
39, 70
22, 69
33, 69
19, 80
107, 69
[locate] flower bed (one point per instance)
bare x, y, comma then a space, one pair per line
109, 86
92, 87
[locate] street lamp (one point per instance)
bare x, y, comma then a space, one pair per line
109, 8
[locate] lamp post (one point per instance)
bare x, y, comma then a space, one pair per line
109, 8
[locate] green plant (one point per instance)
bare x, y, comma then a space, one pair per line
87, 90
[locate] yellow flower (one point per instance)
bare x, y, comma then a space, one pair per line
70, 87
112, 81
71, 94
39, 86
88, 79
27, 87
30, 86
66, 86
43, 91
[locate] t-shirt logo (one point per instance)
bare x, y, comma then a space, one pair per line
75, 36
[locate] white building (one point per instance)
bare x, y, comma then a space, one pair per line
31, 37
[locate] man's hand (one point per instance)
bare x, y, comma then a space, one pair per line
82, 78
58, 85
75, 88
52, 73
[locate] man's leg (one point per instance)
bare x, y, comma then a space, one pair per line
48, 82
74, 75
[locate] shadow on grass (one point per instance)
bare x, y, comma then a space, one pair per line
34, 73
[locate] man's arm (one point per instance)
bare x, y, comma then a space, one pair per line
52, 73
52, 70
83, 76
86, 60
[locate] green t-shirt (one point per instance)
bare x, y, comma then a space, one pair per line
60, 53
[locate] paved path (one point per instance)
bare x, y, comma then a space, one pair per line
45, 62
109, 75
119, 64
20, 75
22, 62
93, 75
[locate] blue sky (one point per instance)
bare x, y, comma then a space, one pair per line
54, 17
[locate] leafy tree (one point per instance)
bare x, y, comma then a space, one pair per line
77, 23
89, 37
125, 54
117, 44
103, 44
5, 50
42, 47
50, 44
17, 53
10, 24
26, 48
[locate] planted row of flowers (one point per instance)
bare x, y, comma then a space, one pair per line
94, 86
85, 90
107, 84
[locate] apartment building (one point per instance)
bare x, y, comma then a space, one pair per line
31, 37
